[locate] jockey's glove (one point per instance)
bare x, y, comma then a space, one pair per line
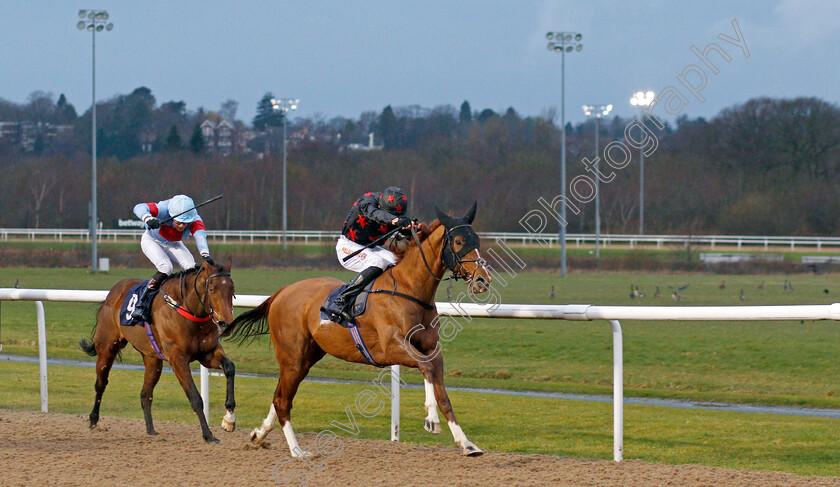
207, 259
151, 222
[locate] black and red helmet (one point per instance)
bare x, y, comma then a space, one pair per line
394, 201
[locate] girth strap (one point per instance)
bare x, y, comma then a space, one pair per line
154, 342
360, 344
424, 304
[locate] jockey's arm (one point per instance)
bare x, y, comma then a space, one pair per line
200, 235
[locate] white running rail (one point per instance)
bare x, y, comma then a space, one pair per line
577, 312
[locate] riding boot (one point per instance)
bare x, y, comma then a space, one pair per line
143, 310
342, 304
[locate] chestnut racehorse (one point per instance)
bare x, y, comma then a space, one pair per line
399, 327
185, 329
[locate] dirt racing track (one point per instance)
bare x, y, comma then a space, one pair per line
59, 450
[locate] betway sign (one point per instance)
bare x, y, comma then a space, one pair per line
129, 223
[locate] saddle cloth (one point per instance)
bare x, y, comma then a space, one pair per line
358, 308
132, 298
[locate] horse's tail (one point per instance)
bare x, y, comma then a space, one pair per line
86, 345
250, 324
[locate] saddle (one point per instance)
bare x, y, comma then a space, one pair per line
357, 309
132, 299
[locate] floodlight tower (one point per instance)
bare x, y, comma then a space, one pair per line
93, 21
642, 99
563, 42
284, 105
597, 111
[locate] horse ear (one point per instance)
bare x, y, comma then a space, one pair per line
443, 217
228, 263
470, 215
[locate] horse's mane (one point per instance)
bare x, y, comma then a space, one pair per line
422, 235
184, 273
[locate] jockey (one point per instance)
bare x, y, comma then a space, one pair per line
372, 216
163, 243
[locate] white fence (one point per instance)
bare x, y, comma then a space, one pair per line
577, 312
576, 239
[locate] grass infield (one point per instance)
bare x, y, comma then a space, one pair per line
781, 363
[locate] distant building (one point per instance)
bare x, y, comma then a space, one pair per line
369, 146
25, 135
222, 137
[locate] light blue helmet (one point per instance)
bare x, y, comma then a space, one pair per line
181, 203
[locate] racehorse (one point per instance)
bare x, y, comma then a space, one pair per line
400, 326
188, 315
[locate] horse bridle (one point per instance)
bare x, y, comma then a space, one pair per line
211, 312
453, 260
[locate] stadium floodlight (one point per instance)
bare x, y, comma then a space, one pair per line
642, 99
94, 21
597, 111
284, 105
563, 42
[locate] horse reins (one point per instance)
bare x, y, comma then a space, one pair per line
182, 310
457, 256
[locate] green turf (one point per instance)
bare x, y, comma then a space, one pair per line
781, 363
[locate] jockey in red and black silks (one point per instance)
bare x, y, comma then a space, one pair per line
372, 216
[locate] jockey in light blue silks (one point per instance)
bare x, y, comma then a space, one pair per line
163, 243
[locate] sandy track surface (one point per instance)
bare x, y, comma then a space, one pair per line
59, 450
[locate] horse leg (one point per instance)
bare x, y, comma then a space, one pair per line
154, 366
104, 360
432, 369
433, 372
292, 372
218, 360
260, 433
263, 430
432, 421
181, 367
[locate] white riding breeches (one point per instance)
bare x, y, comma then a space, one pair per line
162, 254
370, 257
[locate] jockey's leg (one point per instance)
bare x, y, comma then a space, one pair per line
143, 310
156, 253
345, 299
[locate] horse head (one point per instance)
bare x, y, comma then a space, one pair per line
460, 251
216, 297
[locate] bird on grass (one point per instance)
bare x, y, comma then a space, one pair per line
657, 293
761, 286
551, 294
677, 296
635, 293
741, 296
722, 284
17, 284
449, 291
788, 286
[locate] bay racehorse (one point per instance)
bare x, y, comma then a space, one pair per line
400, 326
188, 315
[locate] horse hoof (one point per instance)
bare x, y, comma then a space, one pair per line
228, 426
255, 439
433, 428
473, 451
212, 440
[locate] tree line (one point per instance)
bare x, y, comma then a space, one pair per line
766, 166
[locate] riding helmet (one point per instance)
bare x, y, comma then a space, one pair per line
394, 201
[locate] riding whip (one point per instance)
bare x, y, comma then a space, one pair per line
194, 207
380, 239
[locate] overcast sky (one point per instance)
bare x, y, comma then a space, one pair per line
341, 58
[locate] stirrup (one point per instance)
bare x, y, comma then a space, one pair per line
140, 314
